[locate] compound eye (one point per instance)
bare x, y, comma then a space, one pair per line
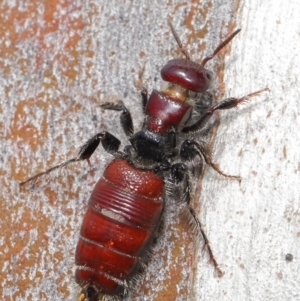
208, 76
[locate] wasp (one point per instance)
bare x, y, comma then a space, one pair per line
127, 206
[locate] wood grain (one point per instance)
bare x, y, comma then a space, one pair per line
60, 60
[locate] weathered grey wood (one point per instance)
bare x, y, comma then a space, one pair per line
253, 225
45, 119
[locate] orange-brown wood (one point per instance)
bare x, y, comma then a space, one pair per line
40, 227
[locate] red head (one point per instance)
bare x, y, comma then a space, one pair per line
187, 73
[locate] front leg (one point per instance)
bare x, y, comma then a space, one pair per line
125, 117
225, 104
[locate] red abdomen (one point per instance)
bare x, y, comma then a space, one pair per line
122, 219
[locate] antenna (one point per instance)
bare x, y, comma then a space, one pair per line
185, 53
222, 45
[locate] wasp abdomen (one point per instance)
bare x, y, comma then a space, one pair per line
124, 214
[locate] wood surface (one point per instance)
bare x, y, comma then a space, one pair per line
60, 59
